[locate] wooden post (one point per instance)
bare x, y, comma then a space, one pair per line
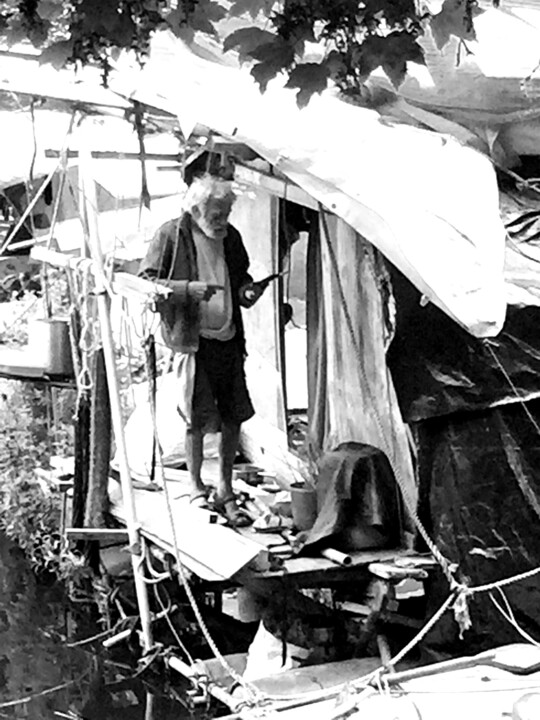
100, 447
128, 497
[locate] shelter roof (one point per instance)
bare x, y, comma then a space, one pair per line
429, 203
426, 201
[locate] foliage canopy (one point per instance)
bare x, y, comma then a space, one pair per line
354, 37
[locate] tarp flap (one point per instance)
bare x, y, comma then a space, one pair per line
429, 204
439, 369
484, 81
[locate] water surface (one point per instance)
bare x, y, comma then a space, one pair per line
37, 623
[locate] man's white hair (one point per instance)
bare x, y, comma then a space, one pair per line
205, 187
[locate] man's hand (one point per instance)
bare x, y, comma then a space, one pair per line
249, 294
201, 291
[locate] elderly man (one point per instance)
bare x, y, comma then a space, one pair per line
203, 258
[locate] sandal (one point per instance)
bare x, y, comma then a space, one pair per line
229, 508
201, 501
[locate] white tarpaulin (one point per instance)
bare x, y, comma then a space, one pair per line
427, 202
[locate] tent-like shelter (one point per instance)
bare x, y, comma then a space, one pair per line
430, 204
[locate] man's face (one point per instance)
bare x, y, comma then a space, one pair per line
213, 217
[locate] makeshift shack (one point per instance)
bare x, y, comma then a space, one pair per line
400, 278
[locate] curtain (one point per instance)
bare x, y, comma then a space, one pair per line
350, 325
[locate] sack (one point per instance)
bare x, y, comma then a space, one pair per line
179, 323
171, 428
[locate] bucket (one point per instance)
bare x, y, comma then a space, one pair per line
304, 506
49, 344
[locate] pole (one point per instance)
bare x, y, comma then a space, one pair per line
128, 497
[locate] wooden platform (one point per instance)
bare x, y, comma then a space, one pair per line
217, 553
211, 550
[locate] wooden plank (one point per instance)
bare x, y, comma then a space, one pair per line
99, 534
58, 259
282, 188
305, 570
212, 551
127, 285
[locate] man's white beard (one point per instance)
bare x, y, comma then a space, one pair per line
209, 231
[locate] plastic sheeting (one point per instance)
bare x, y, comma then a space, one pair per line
438, 369
480, 480
428, 203
478, 456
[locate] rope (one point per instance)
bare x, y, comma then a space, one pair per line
409, 502
508, 615
500, 583
88, 343
254, 693
172, 628
486, 344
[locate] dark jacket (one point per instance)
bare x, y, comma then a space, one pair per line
172, 255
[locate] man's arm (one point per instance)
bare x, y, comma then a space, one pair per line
157, 262
158, 265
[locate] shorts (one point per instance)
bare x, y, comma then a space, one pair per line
220, 394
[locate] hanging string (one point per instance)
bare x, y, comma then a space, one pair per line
487, 345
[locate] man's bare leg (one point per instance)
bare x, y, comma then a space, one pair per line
194, 458
230, 436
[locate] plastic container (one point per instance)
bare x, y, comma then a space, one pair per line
49, 345
304, 506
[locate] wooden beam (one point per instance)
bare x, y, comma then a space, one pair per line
127, 285
276, 186
124, 284
116, 155
99, 534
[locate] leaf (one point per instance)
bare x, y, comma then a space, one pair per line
273, 57
277, 52
309, 78
263, 72
335, 62
251, 7
246, 40
16, 33
50, 10
368, 56
396, 70
123, 32
176, 21
38, 33
210, 9
202, 19
57, 54
391, 52
206, 13
97, 15
455, 18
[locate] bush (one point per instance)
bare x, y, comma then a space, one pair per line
35, 423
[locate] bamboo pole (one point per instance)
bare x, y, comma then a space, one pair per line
191, 673
128, 497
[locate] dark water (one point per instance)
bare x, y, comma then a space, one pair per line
36, 624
